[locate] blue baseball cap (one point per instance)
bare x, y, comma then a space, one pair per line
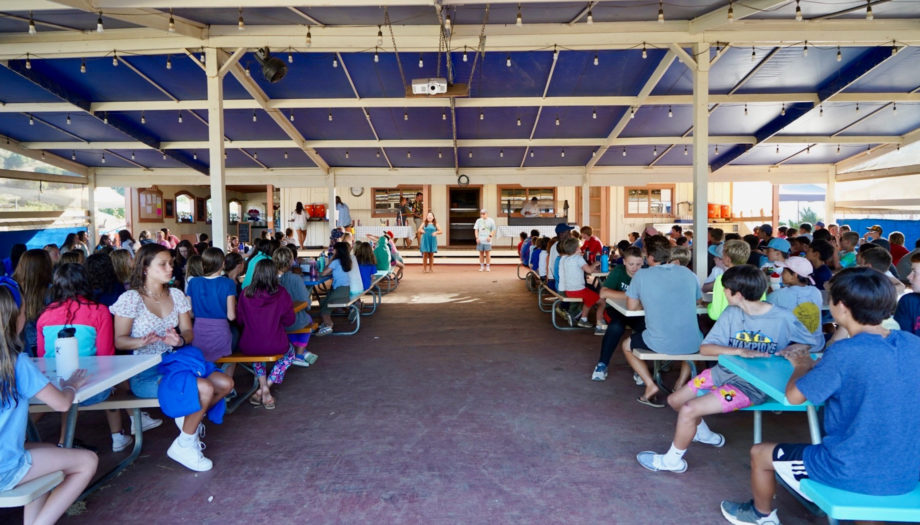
13, 287
563, 227
780, 245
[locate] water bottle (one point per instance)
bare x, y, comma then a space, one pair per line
66, 355
313, 272
321, 262
605, 263
776, 281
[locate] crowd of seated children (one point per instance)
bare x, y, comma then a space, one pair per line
614, 287
572, 270
869, 444
819, 254
748, 327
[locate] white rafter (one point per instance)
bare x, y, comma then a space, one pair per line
144, 17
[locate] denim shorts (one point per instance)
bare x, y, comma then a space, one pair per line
12, 477
98, 398
145, 384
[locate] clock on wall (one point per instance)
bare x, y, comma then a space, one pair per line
357, 191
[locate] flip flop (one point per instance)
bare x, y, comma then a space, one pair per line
270, 405
256, 399
652, 402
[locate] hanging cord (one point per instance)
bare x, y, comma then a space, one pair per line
402, 74
481, 49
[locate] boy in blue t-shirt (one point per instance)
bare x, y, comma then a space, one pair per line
870, 444
908, 312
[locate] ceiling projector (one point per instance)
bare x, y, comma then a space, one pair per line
429, 86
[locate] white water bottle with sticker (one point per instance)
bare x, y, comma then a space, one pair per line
66, 355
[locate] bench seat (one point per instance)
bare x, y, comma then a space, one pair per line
30, 491
843, 505
244, 361
353, 306
545, 293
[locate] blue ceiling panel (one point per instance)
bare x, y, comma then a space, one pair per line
789, 71
729, 119
525, 78
18, 89
837, 115
651, 121
490, 157
506, 14
420, 157
676, 156
549, 156
274, 157
145, 157
677, 80
238, 125
635, 155
496, 122
816, 8
577, 121
422, 123
165, 124
356, 158
898, 73
185, 80
618, 73
729, 70
766, 154
889, 121
251, 16
643, 10
346, 123
233, 90
381, 78
17, 126
93, 158
310, 75
350, 16
102, 81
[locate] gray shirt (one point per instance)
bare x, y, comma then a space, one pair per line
668, 293
294, 286
904, 265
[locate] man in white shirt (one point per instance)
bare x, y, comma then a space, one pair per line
531, 208
485, 230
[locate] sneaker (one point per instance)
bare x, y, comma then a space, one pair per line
584, 323
488, 268
563, 314
600, 330
481, 269
121, 442
190, 457
600, 372
638, 380
655, 462
310, 357
743, 514
299, 361
716, 440
180, 421
147, 422
324, 330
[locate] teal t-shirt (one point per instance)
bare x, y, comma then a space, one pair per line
382, 254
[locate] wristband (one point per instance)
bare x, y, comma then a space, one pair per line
182, 341
68, 387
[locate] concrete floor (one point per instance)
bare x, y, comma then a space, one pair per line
456, 403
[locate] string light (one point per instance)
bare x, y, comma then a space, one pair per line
240, 24
894, 48
201, 56
68, 119
717, 149
32, 30
132, 155
292, 115
670, 113
285, 155
519, 121
421, 61
195, 156
632, 112
555, 53
624, 151
28, 62
171, 27
379, 36
808, 150
557, 120
501, 153
531, 154
254, 117
405, 115
376, 56
290, 58
443, 115
447, 22
346, 154
782, 110
731, 11
745, 110
798, 12
82, 65
777, 149
590, 19
73, 155
180, 118
330, 116
309, 39
857, 107
470, 155
464, 54
644, 51
143, 118
660, 12
685, 150
805, 49
168, 62
335, 62
821, 110
593, 154
31, 120
753, 53
482, 116
99, 26
255, 155
105, 117
594, 114
655, 151
377, 153
562, 153
103, 158
114, 59
869, 10
894, 106
839, 54
519, 20
596, 61
838, 148
440, 155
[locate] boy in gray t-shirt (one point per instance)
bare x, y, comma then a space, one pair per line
749, 327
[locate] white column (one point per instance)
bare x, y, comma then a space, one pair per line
218, 173
830, 196
585, 201
91, 206
700, 158
330, 187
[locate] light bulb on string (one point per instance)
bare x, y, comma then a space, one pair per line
555, 53
777, 149
180, 118
519, 121
99, 27
240, 24
470, 154
31, 120
838, 148
105, 117
660, 12
519, 20
869, 10
464, 54
285, 155
670, 112
531, 154
753, 53
32, 30
346, 154
171, 26
405, 115
292, 115
421, 61
596, 60
857, 107
655, 151
782, 110
731, 11
379, 36
508, 61
839, 54
557, 121
894, 106
805, 49
821, 110
73, 155
377, 153
798, 11
290, 58
168, 62
624, 151
254, 117
685, 150
447, 22
501, 153
745, 110
562, 153
716, 149
255, 155
132, 155
590, 19
644, 51
594, 114
195, 156
330, 116
68, 119
102, 160
143, 118
335, 62
894, 48
443, 115
376, 56
309, 38
632, 112
482, 116
82, 65
440, 155
28, 62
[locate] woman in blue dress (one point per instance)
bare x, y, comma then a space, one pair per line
429, 243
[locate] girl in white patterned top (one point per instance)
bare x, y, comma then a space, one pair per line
146, 317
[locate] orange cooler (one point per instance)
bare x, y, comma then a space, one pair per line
715, 211
726, 211
319, 211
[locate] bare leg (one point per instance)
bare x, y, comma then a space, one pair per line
301, 237
263, 392
640, 368
488, 257
683, 377
690, 415
205, 397
78, 467
763, 482
222, 383
113, 417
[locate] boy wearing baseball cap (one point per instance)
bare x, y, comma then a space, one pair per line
777, 252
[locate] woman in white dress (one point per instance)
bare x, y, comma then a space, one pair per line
299, 220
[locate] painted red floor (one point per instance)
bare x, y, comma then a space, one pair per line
456, 403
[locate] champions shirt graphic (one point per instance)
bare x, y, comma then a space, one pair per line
753, 340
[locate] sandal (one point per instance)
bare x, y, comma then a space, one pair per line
269, 405
256, 399
651, 401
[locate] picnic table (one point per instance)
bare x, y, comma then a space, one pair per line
620, 306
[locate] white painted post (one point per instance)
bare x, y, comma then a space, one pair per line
830, 196
218, 173
330, 187
700, 158
585, 200
91, 206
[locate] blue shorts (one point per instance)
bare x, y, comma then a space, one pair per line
146, 384
789, 465
483, 246
98, 398
12, 477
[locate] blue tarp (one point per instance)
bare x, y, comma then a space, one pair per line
910, 229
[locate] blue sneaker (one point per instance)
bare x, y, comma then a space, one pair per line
600, 372
743, 514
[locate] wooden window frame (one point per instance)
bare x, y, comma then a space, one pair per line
501, 205
413, 189
156, 196
240, 203
672, 187
194, 202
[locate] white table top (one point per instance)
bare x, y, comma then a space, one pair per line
515, 231
620, 306
102, 372
400, 232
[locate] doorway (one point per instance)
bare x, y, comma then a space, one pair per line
465, 203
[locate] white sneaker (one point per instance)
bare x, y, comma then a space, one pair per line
121, 442
180, 422
190, 457
655, 462
481, 269
147, 422
488, 268
716, 440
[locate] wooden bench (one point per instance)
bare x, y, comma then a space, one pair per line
659, 360
245, 361
120, 401
844, 505
545, 293
31, 490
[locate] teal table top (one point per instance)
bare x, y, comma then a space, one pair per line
769, 374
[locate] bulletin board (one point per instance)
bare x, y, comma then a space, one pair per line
244, 232
150, 205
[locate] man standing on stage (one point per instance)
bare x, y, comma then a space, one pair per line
485, 230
